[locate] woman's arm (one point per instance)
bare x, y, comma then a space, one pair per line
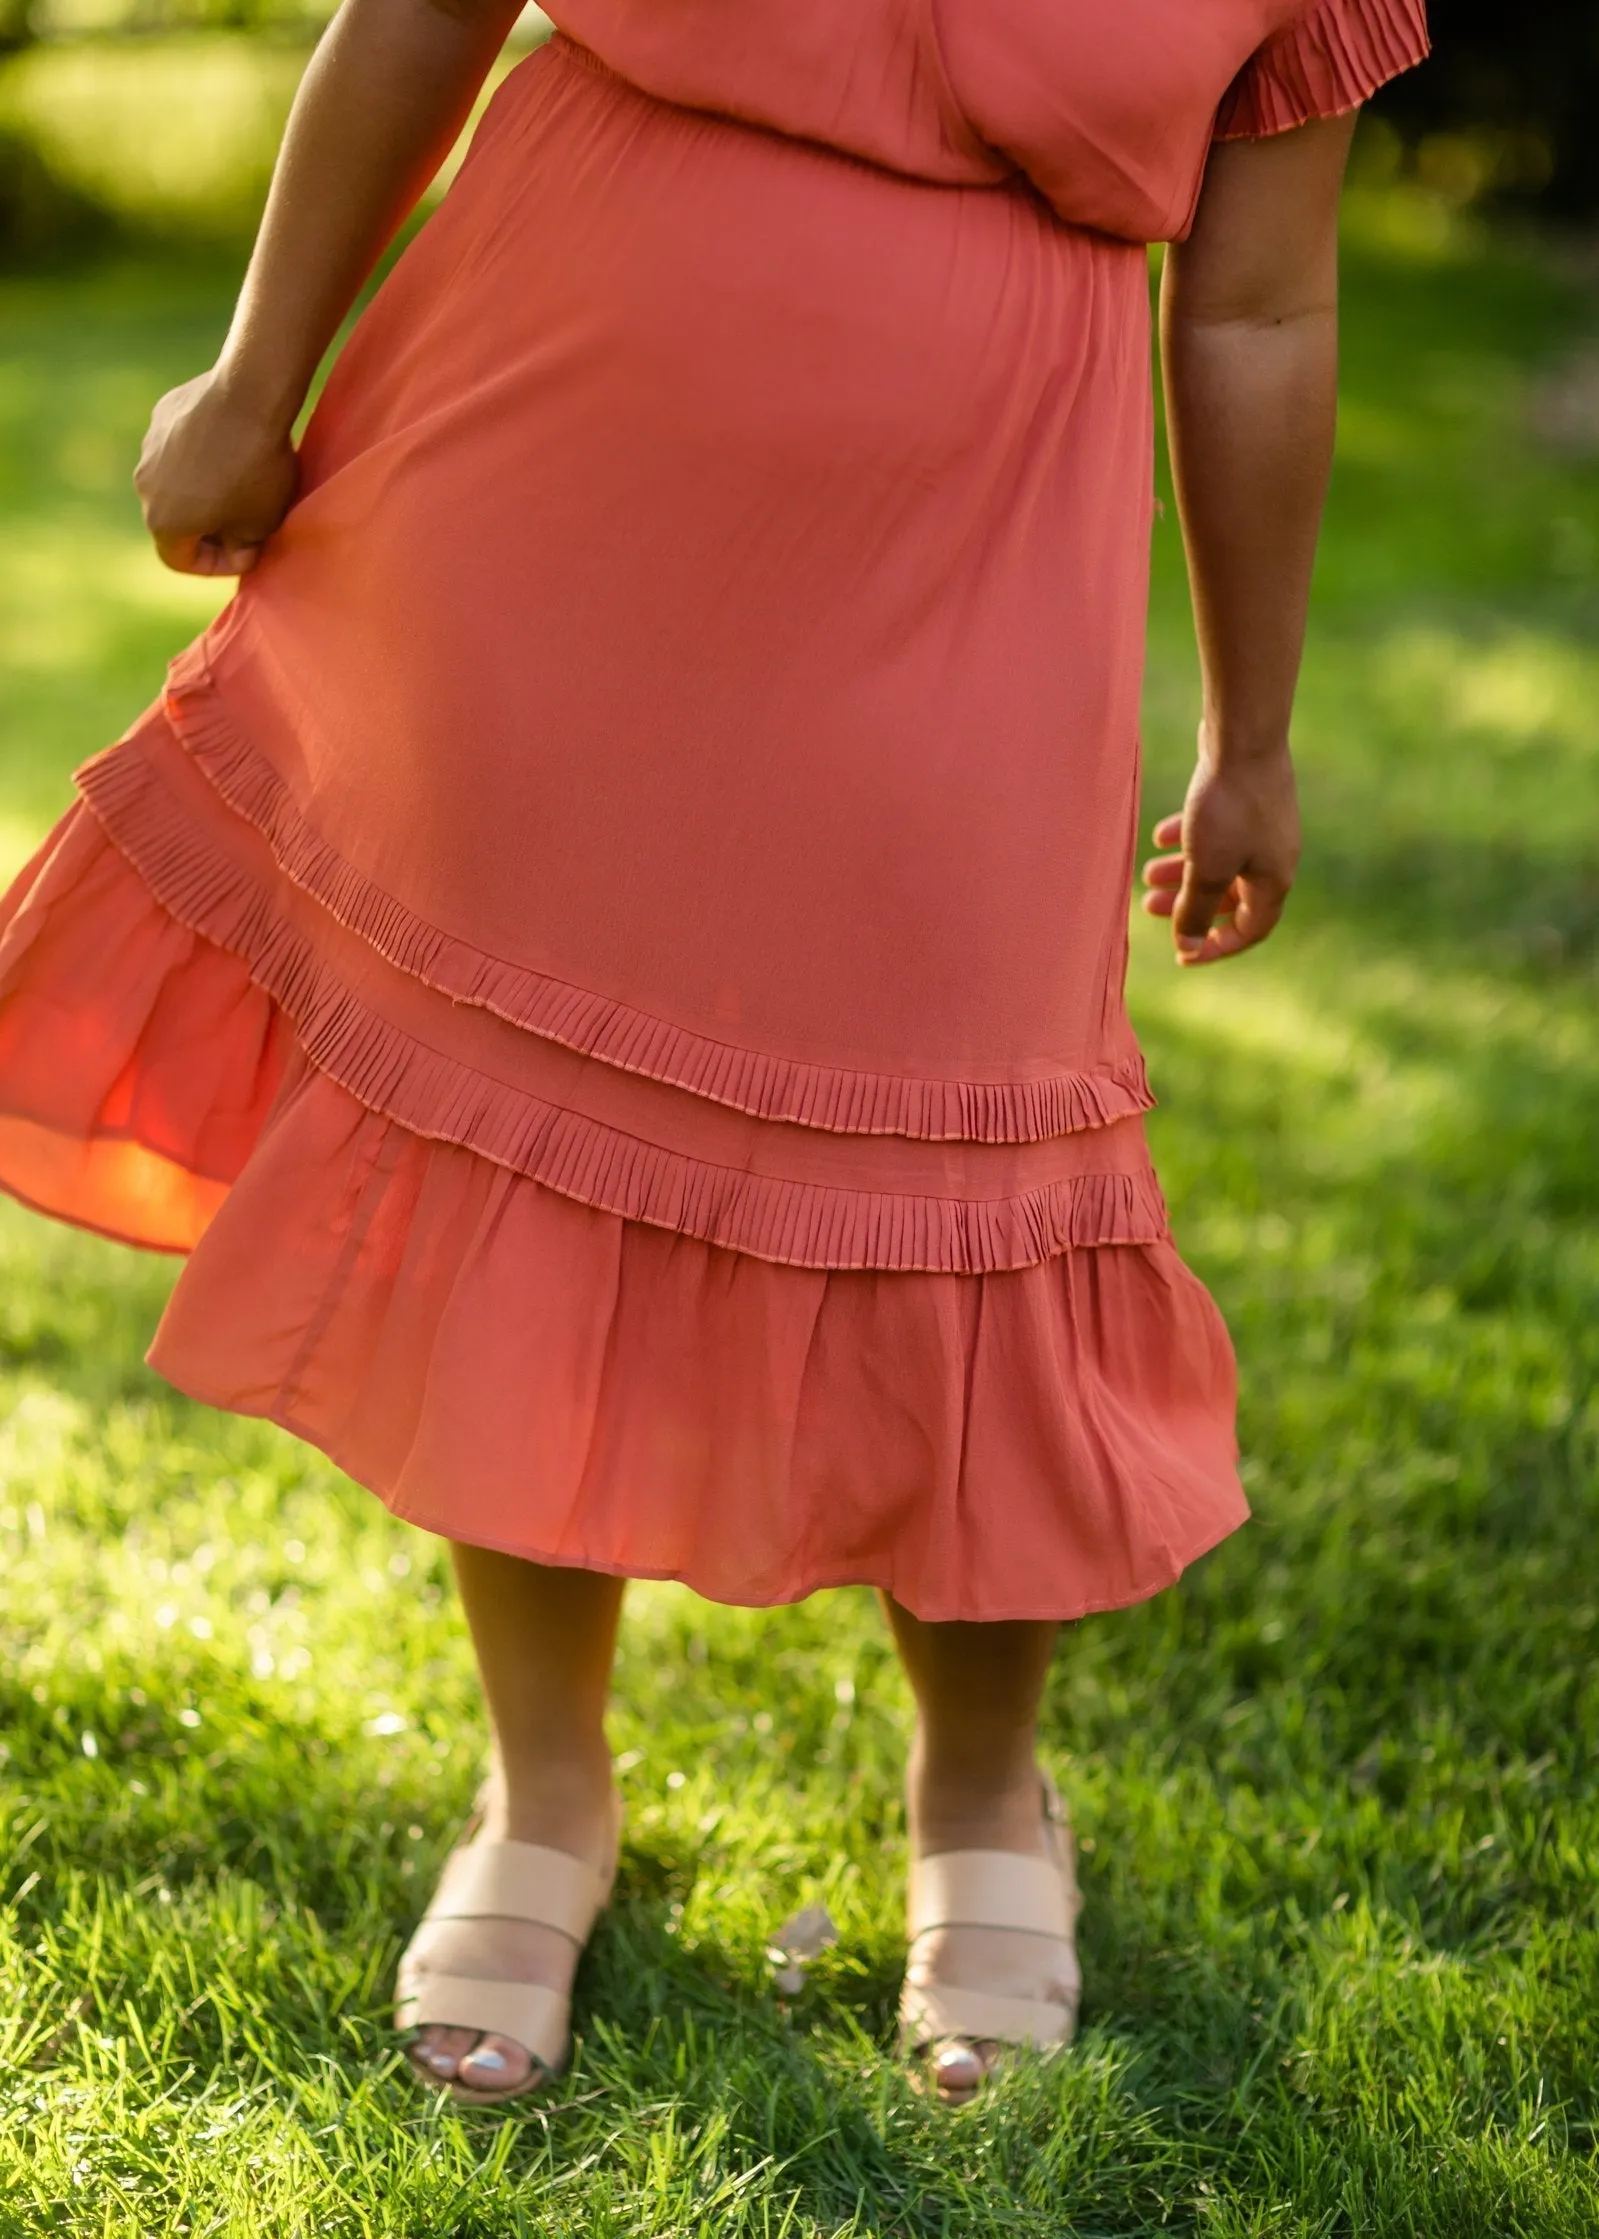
1249, 333
385, 94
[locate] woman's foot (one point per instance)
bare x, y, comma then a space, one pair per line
572, 1809
544, 1639
1014, 1813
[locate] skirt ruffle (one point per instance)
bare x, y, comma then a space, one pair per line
448, 1066
510, 1366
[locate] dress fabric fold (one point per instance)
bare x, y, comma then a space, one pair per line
607, 957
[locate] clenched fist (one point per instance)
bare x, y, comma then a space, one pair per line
214, 477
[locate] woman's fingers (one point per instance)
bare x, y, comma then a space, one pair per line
1251, 911
1161, 899
1201, 898
206, 555
1228, 860
230, 555
1163, 874
1163, 870
1260, 905
215, 479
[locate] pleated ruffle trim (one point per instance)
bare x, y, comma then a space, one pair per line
1329, 60
438, 1096
513, 1368
833, 1098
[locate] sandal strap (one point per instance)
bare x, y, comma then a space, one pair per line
519, 1881
930, 2012
992, 1889
529, 2013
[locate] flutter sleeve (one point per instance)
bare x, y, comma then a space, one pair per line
1330, 58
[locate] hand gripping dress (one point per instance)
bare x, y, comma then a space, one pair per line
608, 955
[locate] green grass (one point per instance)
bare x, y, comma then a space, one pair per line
172, 136
1337, 1795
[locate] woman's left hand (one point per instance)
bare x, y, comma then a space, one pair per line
1236, 847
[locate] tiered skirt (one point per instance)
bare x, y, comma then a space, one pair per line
344, 977
375, 1264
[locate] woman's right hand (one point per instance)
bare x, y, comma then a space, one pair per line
215, 478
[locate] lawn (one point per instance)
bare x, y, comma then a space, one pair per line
1336, 1792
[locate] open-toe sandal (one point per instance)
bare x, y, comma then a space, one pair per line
504, 1881
950, 2026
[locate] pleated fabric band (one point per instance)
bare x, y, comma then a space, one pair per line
1329, 60
347, 1020
837, 1098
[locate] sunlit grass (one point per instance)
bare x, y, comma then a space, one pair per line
1336, 1792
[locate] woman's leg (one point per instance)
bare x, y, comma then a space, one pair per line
545, 1640
974, 1784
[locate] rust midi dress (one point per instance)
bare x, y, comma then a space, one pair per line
608, 955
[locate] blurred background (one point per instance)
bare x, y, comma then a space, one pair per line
127, 117
132, 117
128, 123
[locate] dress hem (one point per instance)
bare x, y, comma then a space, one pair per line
122, 1238
927, 1613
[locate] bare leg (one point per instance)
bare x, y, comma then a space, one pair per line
974, 1785
545, 1640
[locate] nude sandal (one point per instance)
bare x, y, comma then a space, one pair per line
990, 1889
504, 1881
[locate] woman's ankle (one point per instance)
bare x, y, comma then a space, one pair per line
962, 1799
559, 1796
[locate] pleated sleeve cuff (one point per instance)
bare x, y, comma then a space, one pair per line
1331, 58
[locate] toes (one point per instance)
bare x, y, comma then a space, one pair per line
960, 2068
494, 2064
436, 2053
471, 2059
